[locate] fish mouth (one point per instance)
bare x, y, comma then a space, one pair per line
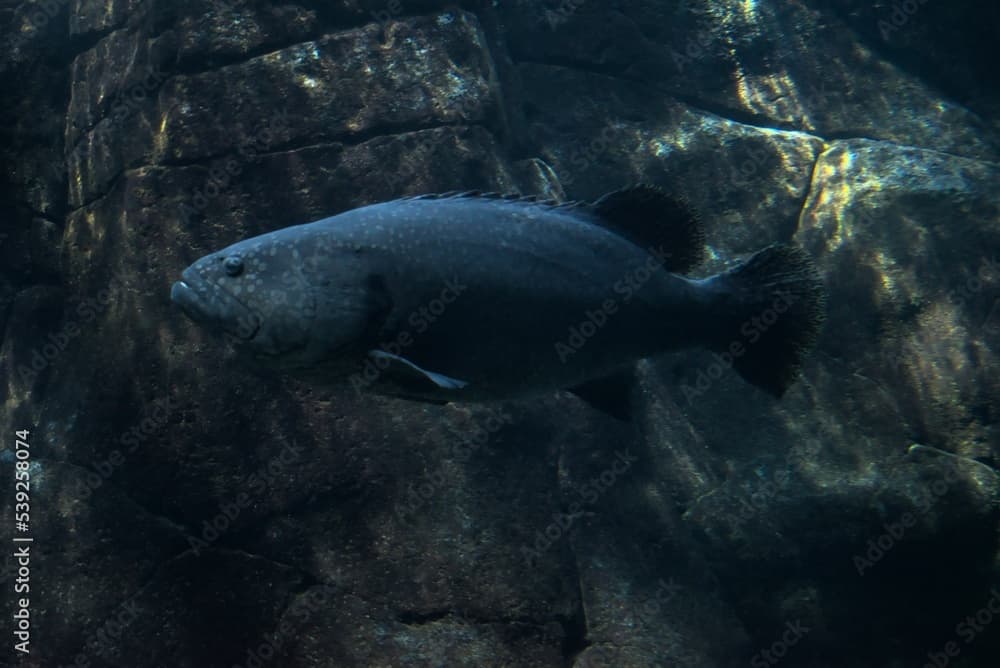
209, 305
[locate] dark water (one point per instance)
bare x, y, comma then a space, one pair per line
168, 502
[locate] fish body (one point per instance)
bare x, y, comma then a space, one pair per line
470, 297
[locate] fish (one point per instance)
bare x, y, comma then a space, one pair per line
472, 296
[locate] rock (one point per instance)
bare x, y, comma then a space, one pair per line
622, 132
217, 592
245, 518
31, 340
381, 87
948, 46
448, 638
740, 61
646, 598
87, 535
909, 238
822, 490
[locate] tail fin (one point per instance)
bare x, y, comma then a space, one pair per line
779, 301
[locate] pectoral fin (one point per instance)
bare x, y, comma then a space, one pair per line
409, 377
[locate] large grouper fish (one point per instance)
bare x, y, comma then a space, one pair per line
471, 296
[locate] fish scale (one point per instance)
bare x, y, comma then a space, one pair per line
477, 296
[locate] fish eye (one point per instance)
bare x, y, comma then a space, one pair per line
233, 265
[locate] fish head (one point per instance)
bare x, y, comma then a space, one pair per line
266, 296
240, 293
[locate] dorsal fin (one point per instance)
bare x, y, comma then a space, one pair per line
657, 222
665, 226
449, 194
506, 197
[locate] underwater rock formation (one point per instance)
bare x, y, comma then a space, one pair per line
191, 512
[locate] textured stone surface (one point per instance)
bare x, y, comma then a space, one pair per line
227, 516
379, 79
749, 192
785, 64
912, 238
